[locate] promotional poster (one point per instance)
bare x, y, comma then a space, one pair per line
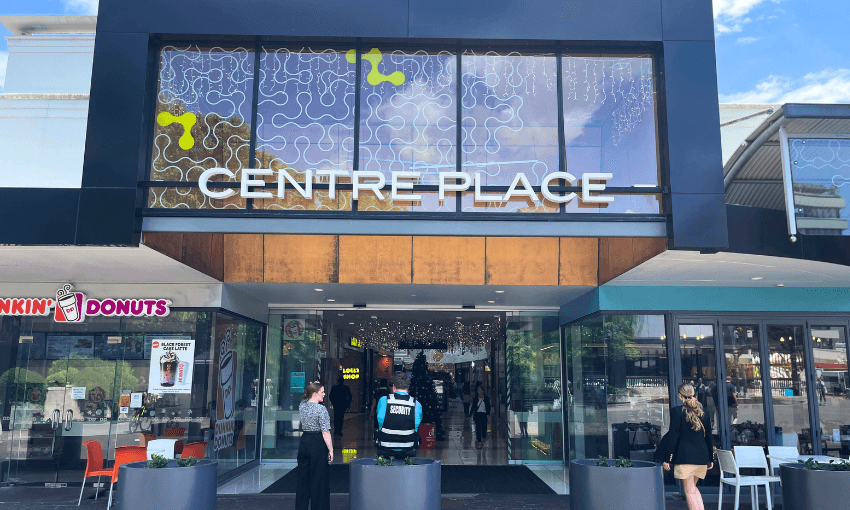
171, 365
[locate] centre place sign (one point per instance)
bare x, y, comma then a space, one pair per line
401, 183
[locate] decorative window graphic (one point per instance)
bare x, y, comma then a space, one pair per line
609, 127
510, 125
203, 113
305, 131
305, 123
820, 171
408, 117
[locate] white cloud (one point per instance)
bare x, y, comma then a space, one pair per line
827, 86
81, 6
735, 8
746, 40
728, 29
4, 59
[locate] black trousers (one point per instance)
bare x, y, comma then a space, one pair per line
314, 483
339, 419
480, 420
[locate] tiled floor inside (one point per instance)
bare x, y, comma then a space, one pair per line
458, 449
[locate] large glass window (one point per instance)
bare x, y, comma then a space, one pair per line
408, 123
819, 173
743, 387
609, 127
829, 349
618, 374
305, 124
510, 125
788, 388
202, 121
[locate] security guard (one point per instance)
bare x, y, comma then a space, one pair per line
399, 416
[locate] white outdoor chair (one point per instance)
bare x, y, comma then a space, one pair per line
788, 452
728, 465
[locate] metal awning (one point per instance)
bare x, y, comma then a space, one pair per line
753, 175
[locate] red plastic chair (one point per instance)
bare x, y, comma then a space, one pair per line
123, 455
197, 450
94, 466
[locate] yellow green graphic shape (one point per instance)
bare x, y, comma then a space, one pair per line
375, 77
187, 120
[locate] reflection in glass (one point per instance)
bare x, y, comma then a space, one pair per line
510, 124
829, 348
203, 115
291, 362
699, 368
618, 376
533, 377
305, 122
743, 388
609, 126
821, 180
408, 122
787, 356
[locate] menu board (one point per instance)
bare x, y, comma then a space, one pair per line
70, 346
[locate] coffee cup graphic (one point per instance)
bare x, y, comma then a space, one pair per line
168, 368
183, 369
67, 302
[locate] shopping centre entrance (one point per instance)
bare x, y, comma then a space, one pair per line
514, 357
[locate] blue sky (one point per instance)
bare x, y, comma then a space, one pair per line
768, 51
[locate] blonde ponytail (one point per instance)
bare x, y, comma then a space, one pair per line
691, 407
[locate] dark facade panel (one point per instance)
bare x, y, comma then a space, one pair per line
577, 20
687, 20
114, 135
38, 215
693, 117
699, 221
107, 216
294, 18
760, 231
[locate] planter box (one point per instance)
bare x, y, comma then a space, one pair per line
172, 488
602, 488
813, 490
397, 487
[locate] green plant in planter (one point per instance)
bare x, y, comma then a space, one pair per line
383, 461
602, 462
157, 462
409, 461
191, 461
623, 462
813, 465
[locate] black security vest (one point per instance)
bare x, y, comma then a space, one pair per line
398, 431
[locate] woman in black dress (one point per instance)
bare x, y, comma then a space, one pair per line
315, 451
479, 411
691, 449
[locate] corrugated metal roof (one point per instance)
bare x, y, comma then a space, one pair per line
758, 180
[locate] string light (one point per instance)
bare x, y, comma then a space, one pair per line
458, 336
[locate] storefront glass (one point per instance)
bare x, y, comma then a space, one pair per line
788, 388
744, 397
92, 381
829, 348
618, 370
699, 368
535, 394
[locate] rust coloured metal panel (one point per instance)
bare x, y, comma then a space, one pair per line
579, 263
522, 260
300, 258
647, 247
167, 243
448, 260
243, 257
375, 259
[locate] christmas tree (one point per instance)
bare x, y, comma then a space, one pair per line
422, 387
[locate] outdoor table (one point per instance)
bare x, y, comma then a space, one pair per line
164, 447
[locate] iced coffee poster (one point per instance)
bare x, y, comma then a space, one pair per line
171, 365
225, 405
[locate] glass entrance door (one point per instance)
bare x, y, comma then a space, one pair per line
741, 393
829, 353
789, 387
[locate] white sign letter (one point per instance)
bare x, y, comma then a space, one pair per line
248, 181
587, 187
332, 176
544, 187
375, 187
306, 191
444, 186
484, 198
394, 194
205, 177
527, 191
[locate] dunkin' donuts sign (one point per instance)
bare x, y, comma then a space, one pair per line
70, 306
